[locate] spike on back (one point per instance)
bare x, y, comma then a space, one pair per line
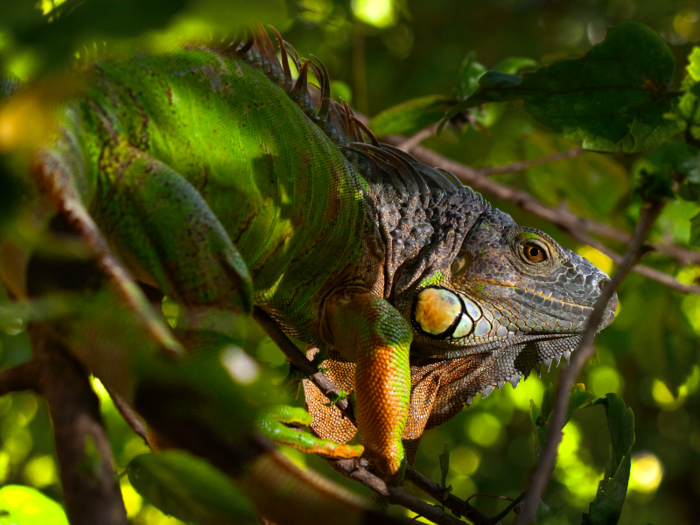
376, 162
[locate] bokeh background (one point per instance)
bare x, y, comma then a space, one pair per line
380, 53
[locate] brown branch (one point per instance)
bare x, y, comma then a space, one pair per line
525, 164
411, 142
563, 219
458, 506
129, 416
646, 271
18, 378
585, 350
298, 359
397, 496
84, 454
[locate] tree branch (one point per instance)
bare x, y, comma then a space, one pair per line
18, 378
563, 219
458, 506
584, 351
413, 141
129, 416
525, 164
298, 359
397, 496
84, 454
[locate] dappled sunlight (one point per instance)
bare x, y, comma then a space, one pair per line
604, 379
464, 461
664, 398
483, 429
687, 24
647, 473
132, 500
379, 13
40, 471
577, 475
530, 389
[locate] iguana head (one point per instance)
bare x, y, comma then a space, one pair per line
474, 283
507, 287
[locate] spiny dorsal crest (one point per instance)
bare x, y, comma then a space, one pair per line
377, 163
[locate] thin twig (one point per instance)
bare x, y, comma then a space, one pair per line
129, 416
585, 350
646, 271
525, 164
397, 496
411, 142
563, 219
458, 506
298, 359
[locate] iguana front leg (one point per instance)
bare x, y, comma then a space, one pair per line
373, 334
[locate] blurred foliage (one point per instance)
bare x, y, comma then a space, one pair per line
382, 53
189, 488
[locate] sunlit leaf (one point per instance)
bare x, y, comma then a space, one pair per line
27, 506
410, 117
188, 488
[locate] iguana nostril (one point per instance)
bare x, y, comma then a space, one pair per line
602, 283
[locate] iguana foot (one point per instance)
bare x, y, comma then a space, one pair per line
274, 423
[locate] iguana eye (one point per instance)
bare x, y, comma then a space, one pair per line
533, 253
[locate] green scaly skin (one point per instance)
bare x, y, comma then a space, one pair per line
205, 175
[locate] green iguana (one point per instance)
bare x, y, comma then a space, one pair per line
210, 176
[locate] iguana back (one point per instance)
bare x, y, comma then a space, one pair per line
287, 198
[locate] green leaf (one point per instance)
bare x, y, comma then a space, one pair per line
540, 416
695, 230
189, 488
514, 65
547, 515
408, 118
613, 99
444, 464
657, 172
606, 508
468, 79
687, 110
21, 505
334, 398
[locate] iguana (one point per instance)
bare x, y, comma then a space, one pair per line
210, 175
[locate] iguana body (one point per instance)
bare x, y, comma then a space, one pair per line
205, 174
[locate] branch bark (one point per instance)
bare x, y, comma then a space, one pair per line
397, 496
20, 377
585, 350
525, 164
84, 454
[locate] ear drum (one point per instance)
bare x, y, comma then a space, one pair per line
436, 311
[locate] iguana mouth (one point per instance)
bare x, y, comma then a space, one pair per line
554, 305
